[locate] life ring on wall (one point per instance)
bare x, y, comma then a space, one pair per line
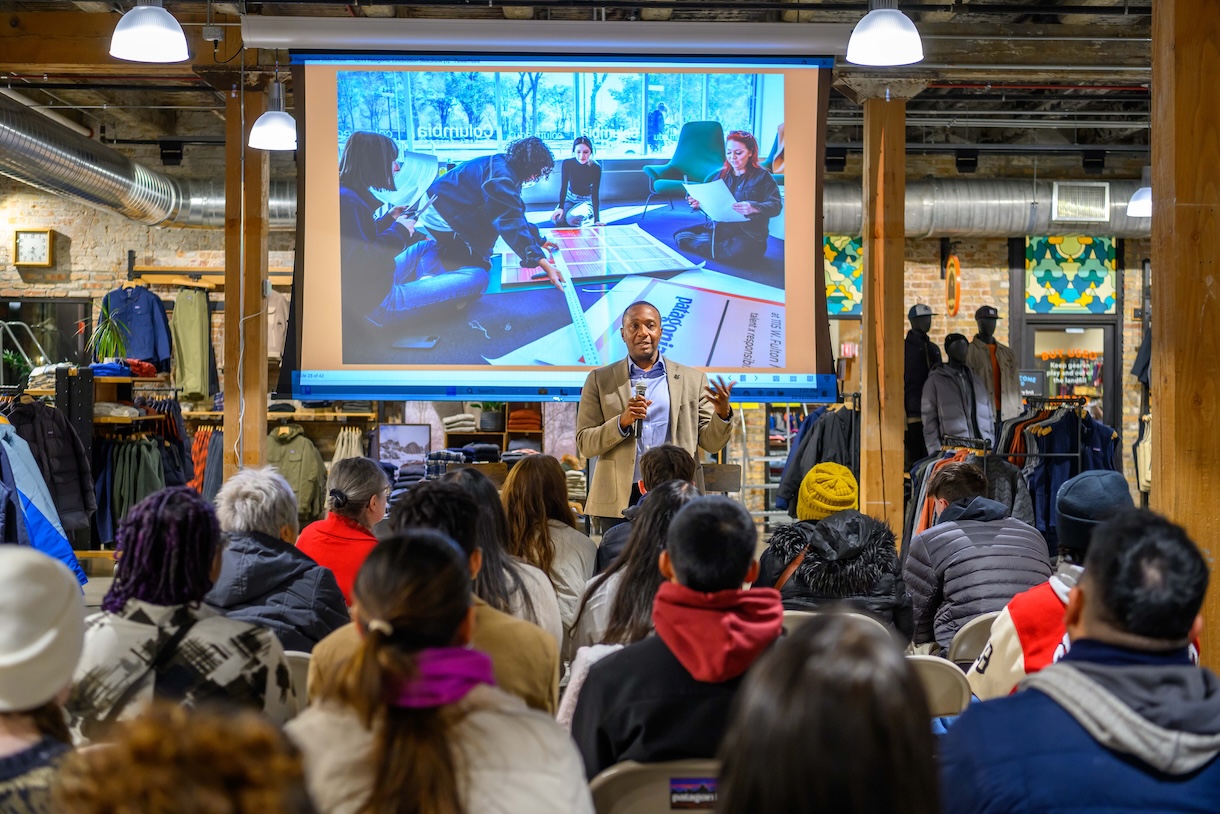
953, 287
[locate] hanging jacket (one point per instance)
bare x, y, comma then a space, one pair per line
955, 403
834, 438
265, 581
851, 559
298, 460
38, 513
978, 358
143, 324
12, 529
1006, 484
61, 459
920, 357
668, 696
974, 561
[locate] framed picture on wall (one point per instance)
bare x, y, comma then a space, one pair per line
400, 444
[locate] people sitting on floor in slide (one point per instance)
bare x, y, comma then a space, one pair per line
757, 197
580, 182
369, 244
472, 204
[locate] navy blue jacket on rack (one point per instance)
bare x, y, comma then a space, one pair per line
144, 324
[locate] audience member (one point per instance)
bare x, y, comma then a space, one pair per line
662, 463
154, 637
617, 605
42, 627
525, 657
834, 555
668, 696
1124, 721
264, 578
415, 722
358, 490
833, 719
1029, 633
542, 530
972, 561
508, 584
174, 760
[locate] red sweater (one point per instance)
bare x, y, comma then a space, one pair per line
340, 545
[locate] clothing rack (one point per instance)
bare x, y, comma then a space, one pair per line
1053, 402
980, 445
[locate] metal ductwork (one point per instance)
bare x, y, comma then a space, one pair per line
43, 154
980, 208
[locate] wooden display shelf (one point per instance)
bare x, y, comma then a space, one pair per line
209, 415
122, 419
39, 391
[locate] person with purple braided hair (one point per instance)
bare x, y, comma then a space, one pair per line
155, 637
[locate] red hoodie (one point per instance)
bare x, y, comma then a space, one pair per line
717, 636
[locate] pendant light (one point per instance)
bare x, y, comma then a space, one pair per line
275, 129
884, 37
1140, 205
148, 33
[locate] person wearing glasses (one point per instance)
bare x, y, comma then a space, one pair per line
357, 494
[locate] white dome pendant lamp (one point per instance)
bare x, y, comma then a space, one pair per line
275, 129
884, 38
148, 33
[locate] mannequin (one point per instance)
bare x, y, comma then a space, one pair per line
954, 400
995, 365
921, 356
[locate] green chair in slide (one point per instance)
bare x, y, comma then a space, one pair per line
698, 155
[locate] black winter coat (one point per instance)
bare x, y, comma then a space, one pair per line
834, 438
974, 561
852, 561
920, 357
265, 581
61, 459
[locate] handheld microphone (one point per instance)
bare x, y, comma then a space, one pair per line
637, 429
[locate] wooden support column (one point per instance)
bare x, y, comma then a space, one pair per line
245, 321
882, 415
1186, 281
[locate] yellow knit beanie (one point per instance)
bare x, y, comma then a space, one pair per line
826, 489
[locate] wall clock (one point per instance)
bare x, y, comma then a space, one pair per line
34, 247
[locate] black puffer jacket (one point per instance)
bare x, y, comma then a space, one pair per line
972, 562
852, 561
61, 459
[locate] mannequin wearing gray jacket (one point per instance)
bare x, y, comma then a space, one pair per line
954, 401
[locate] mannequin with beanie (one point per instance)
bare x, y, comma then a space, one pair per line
42, 627
357, 492
973, 560
668, 696
1030, 633
154, 637
834, 555
415, 721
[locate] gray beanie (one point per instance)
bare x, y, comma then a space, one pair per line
42, 627
1087, 500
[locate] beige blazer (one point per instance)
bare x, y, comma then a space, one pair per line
693, 423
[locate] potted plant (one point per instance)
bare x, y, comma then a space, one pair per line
107, 341
491, 417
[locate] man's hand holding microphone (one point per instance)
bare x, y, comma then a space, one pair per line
637, 411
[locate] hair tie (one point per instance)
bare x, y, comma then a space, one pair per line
338, 498
381, 626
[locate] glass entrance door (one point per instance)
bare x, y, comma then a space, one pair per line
1079, 360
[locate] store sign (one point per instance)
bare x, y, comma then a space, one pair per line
1073, 371
1047, 356
1032, 382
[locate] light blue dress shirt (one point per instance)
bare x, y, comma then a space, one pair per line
656, 425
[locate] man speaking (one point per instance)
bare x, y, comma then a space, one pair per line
641, 402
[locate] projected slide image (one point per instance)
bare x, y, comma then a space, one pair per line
466, 196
